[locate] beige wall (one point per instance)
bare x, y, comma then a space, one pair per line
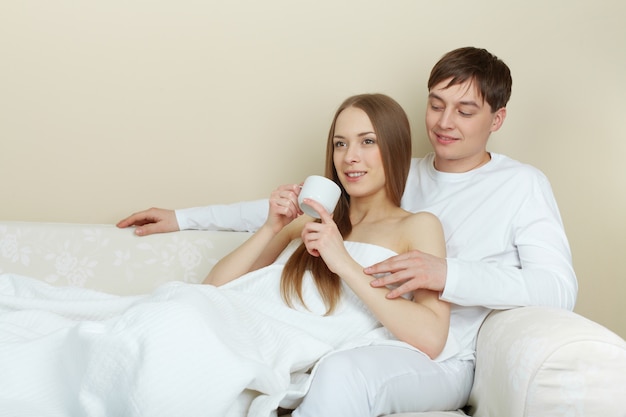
108, 107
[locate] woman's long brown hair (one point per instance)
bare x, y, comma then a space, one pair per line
393, 134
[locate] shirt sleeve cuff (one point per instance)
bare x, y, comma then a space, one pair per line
452, 279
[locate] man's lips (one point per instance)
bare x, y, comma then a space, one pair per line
445, 139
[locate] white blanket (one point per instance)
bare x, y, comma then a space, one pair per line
183, 350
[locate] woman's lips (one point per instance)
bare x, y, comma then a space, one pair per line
354, 175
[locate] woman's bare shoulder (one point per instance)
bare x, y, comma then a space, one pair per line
423, 231
422, 219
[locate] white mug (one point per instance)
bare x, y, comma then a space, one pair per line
320, 189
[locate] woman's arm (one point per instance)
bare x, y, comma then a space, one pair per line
423, 322
267, 243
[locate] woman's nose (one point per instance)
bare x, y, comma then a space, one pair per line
352, 155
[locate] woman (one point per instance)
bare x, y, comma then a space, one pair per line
368, 153
291, 294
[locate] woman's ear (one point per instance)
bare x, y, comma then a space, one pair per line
498, 119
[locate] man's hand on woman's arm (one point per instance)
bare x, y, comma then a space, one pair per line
153, 220
410, 271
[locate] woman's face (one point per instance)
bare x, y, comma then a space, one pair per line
356, 154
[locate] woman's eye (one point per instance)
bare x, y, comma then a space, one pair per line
369, 141
339, 144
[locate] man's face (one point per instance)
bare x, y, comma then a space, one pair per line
458, 123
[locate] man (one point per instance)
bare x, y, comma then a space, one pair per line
504, 237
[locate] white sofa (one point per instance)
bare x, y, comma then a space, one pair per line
530, 361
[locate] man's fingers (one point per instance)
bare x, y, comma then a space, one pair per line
128, 221
406, 284
140, 218
400, 291
149, 229
393, 264
393, 278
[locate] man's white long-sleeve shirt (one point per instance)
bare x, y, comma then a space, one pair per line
506, 245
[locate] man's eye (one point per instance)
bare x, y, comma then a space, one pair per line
436, 108
465, 114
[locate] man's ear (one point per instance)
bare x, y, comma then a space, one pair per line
498, 119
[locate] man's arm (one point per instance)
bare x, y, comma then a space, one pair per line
509, 287
247, 216
546, 278
243, 217
527, 261
542, 274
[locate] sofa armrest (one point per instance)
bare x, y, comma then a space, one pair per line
537, 361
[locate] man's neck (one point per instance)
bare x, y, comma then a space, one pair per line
462, 165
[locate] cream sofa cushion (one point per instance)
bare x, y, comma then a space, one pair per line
557, 363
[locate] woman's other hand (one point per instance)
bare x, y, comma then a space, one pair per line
284, 206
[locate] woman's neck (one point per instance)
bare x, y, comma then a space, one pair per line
371, 210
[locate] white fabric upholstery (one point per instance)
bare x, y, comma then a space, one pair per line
109, 259
531, 362
545, 362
